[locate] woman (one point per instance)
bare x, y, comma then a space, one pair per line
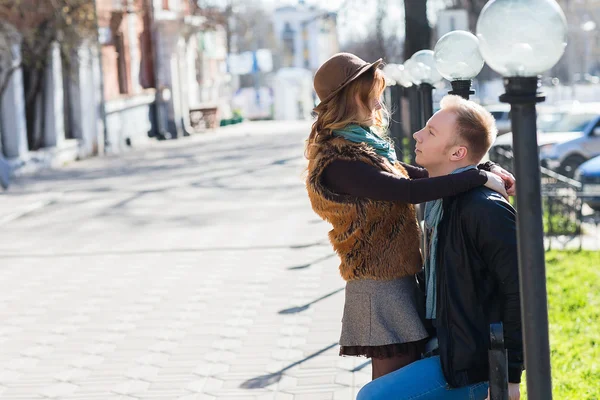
356, 183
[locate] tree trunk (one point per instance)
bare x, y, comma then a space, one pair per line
418, 31
379, 34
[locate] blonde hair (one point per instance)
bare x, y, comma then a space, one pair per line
343, 109
474, 124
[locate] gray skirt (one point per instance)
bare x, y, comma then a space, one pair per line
379, 313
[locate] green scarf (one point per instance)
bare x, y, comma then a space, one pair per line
358, 134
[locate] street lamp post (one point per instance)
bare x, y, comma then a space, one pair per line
395, 95
398, 83
421, 68
414, 108
458, 59
520, 39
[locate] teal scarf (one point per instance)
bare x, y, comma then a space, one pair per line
433, 215
358, 134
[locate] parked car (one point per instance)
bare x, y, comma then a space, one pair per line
589, 176
501, 113
567, 137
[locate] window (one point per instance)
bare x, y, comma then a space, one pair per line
288, 37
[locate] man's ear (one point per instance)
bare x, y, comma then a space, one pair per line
458, 153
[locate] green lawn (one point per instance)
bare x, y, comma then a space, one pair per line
573, 283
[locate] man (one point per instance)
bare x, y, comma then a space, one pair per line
471, 274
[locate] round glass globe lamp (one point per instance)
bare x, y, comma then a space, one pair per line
389, 71
423, 69
457, 56
522, 38
411, 68
402, 76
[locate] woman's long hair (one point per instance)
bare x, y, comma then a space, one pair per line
343, 109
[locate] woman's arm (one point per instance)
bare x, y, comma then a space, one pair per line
359, 179
415, 172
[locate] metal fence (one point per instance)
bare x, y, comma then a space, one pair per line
561, 201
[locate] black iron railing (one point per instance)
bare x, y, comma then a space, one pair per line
561, 200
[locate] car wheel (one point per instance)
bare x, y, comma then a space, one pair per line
571, 163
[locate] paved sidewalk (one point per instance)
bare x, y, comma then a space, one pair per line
194, 269
191, 270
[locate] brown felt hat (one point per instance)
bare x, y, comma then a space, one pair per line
339, 71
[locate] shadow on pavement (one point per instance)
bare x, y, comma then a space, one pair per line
305, 246
304, 266
266, 380
361, 366
295, 310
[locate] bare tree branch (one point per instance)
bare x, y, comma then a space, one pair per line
6, 79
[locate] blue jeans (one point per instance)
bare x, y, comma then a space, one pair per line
420, 380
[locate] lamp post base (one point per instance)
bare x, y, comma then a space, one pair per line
462, 88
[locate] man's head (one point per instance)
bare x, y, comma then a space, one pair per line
456, 136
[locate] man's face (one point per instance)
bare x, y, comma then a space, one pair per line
437, 141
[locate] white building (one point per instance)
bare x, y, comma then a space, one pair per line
307, 35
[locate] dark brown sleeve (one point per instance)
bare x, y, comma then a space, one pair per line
356, 178
415, 172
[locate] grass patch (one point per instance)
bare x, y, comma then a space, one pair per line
573, 284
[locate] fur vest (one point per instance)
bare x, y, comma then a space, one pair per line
374, 239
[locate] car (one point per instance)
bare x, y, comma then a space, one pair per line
501, 113
589, 176
567, 137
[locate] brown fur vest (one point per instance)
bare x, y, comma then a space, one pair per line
374, 239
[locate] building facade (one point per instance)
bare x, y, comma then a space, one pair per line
153, 63
307, 36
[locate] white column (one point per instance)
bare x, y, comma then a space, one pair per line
14, 127
134, 50
192, 56
85, 93
184, 84
95, 141
54, 128
176, 92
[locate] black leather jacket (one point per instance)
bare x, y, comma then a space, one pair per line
477, 284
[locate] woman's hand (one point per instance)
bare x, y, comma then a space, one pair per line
496, 183
507, 177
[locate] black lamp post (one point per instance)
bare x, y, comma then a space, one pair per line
415, 110
426, 98
520, 40
399, 86
421, 67
394, 102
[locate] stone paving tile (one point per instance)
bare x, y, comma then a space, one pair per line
174, 273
